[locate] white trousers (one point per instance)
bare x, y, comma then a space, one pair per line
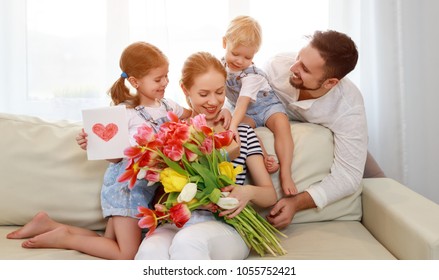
201, 238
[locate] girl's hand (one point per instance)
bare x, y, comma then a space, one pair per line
81, 139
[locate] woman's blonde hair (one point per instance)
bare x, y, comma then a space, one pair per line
244, 30
198, 64
137, 60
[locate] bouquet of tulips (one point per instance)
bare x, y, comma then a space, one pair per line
190, 161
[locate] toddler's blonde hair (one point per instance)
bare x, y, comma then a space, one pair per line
244, 30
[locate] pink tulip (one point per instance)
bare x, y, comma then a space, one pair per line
199, 121
144, 135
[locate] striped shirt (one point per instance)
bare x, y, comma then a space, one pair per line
249, 146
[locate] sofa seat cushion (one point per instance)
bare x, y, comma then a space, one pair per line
43, 168
336, 240
11, 250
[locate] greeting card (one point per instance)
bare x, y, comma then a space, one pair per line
107, 130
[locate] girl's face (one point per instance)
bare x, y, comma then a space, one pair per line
207, 94
151, 87
240, 57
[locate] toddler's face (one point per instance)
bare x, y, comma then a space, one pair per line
239, 57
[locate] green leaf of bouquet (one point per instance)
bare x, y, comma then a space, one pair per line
215, 195
225, 181
208, 177
195, 179
172, 164
193, 148
200, 194
172, 198
188, 166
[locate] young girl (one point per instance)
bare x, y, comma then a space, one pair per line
204, 237
146, 69
252, 98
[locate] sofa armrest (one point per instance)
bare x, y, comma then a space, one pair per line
406, 223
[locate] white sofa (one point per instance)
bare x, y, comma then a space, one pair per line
42, 168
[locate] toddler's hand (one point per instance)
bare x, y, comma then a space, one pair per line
225, 117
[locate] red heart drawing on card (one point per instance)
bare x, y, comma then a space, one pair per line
105, 132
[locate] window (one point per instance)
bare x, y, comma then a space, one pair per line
62, 56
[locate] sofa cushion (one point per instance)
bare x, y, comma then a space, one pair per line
335, 240
44, 169
312, 161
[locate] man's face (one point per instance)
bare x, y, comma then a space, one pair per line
308, 73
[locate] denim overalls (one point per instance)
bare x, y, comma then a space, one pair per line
116, 198
266, 104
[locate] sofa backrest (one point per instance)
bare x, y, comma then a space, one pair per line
43, 168
312, 161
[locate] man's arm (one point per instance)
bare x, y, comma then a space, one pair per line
350, 152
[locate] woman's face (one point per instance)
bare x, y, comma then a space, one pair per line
207, 94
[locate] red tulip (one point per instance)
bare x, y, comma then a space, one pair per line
148, 219
223, 139
133, 152
180, 214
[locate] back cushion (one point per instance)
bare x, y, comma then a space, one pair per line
43, 168
312, 161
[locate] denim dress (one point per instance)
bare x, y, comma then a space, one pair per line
266, 104
116, 198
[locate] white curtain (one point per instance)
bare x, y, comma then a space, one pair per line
60, 56
398, 43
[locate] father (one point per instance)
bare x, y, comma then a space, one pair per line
313, 87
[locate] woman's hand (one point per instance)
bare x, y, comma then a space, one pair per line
242, 193
212, 207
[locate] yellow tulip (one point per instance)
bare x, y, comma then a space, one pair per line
172, 180
226, 168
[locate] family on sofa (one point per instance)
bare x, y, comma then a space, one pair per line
309, 86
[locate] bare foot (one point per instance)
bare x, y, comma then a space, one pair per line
271, 164
39, 224
50, 239
288, 186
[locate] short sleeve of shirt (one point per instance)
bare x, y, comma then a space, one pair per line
249, 146
176, 108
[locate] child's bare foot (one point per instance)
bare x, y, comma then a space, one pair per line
50, 239
271, 164
39, 224
288, 186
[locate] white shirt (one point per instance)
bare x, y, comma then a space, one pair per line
342, 111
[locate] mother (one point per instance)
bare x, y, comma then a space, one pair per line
204, 237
